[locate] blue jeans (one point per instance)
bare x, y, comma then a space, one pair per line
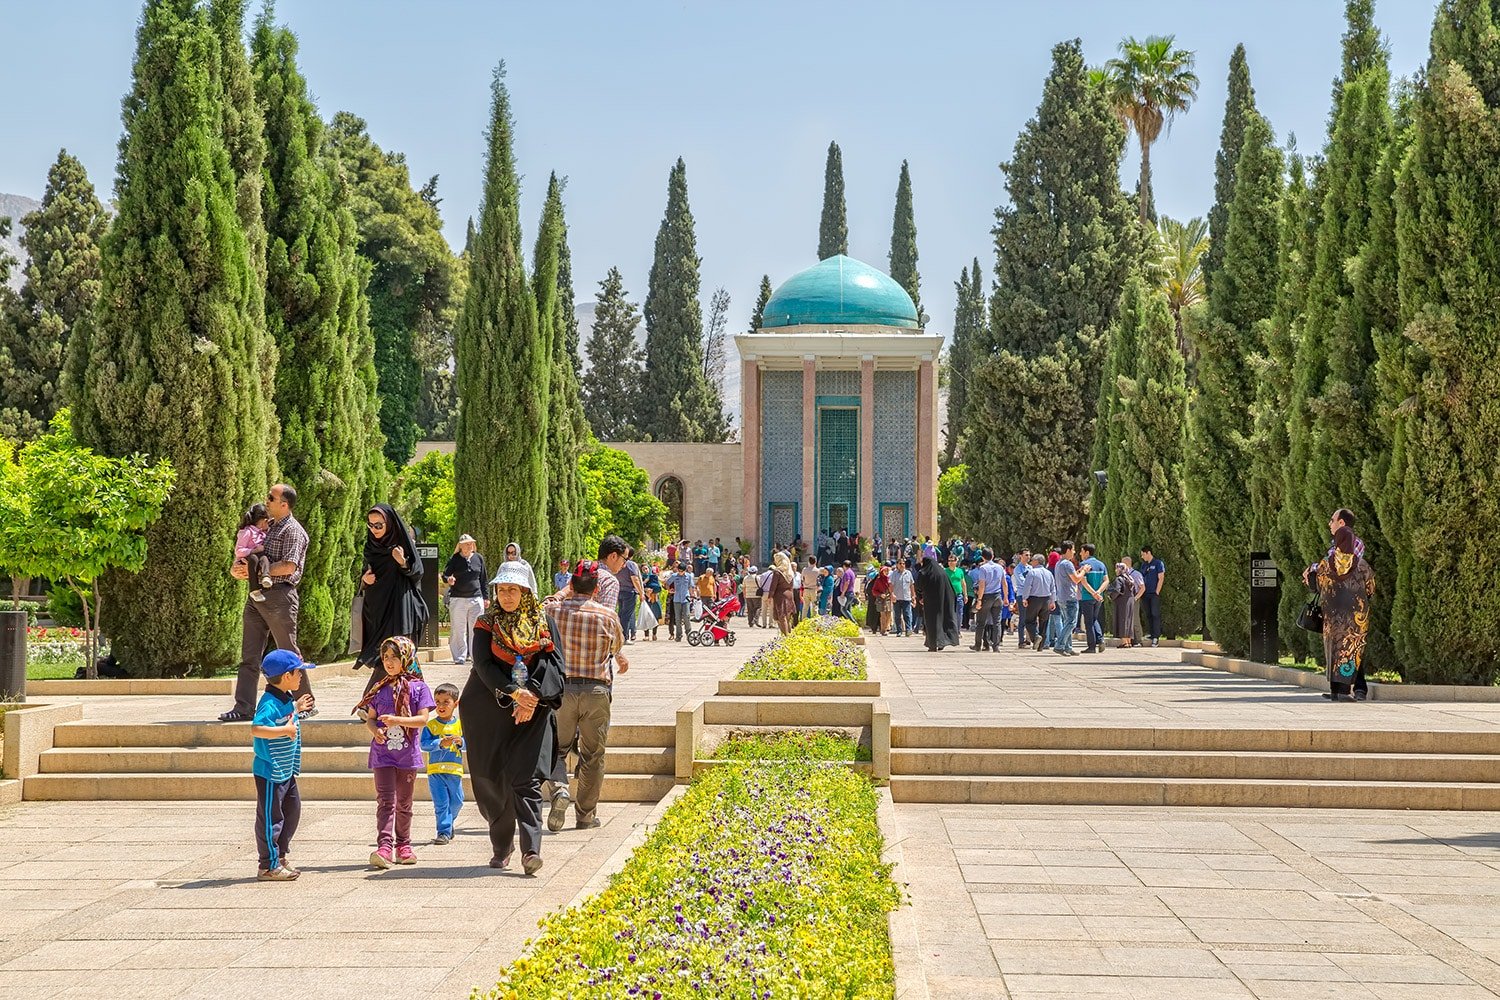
902, 617
1066, 618
627, 613
958, 602
447, 799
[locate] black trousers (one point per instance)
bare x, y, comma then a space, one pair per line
278, 810
1153, 614
508, 805
1089, 613
986, 633
1037, 609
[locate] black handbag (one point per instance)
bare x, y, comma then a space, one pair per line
1311, 617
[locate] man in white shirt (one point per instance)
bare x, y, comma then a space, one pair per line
901, 590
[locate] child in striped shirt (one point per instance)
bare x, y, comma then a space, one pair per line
277, 737
443, 743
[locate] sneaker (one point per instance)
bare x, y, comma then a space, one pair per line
279, 874
531, 864
442, 839
587, 824
1360, 695
267, 583
257, 596
405, 855
381, 859
558, 814
304, 716
1153, 643
503, 864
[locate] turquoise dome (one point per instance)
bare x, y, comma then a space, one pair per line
840, 291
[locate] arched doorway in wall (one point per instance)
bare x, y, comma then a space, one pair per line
669, 490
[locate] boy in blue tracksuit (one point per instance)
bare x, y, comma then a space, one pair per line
277, 738
443, 743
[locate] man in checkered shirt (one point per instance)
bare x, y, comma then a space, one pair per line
275, 617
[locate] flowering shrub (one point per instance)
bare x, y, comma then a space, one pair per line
56, 645
758, 883
806, 657
792, 744
829, 625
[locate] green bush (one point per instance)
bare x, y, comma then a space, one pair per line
30, 607
836, 626
806, 657
65, 607
758, 882
792, 744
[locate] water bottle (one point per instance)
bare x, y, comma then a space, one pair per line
518, 673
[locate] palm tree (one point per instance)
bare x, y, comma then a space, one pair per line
1147, 85
1179, 269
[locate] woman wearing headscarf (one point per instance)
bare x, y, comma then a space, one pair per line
508, 707
783, 604
1345, 583
392, 579
939, 608
513, 554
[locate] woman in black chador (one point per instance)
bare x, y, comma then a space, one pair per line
393, 603
939, 608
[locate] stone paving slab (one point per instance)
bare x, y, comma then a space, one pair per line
1091, 901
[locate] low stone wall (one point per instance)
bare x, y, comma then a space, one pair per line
28, 732
170, 686
1318, 682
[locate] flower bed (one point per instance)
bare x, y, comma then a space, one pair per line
829, 625
792, 745
806, 657
757, 883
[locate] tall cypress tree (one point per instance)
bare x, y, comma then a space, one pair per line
758, 315
903, 255
681, 405
62, 283
170, 362
1218, 456
1332, 430
1064, 247
1109, 503
316, 314
567, 430
833, 228
504, 366
968, 329
1448, 430
612, 383
1239, 106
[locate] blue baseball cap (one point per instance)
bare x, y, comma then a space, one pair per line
281, 661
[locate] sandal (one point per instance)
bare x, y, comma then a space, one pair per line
234, 715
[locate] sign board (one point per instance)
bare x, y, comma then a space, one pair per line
427, 552
429, 556
1265, 601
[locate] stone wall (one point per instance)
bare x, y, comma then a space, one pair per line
712, 480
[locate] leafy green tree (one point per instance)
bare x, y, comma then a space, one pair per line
619, 498
62, 283
70, 515
1220, 422
317, 314
758, 315
424, 494
968, 331
1109, 519
171, 363
903, 255
1182, 246
504, 365
833, 228
1448, 430
412, 281
611, 385
1239, 105
1148, 84
950, 504
681, 405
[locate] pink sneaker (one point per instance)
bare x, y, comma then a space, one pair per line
381, 858
404, 856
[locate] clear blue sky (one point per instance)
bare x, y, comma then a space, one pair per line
610, 94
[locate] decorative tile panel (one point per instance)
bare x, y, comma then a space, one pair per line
837, 383
838, 469
895, 437
780, 441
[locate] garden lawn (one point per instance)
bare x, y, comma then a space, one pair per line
806, 657
759, 882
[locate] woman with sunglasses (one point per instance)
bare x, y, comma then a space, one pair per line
392, 585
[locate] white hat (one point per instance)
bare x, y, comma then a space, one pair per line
512, 572
465, 538
755, 569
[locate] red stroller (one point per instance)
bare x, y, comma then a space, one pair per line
715, 623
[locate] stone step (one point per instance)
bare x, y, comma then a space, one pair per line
191, 786
1197, 740
1305, 766
315, 760
752, 710
1193, 792
319, 732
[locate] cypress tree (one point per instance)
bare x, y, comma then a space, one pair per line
681, 405
315, 313
1448, 429
567, 308
968, 329
1239, 106
1112, 453
903, 255
567, 431
1332, 430
1064, 247
1220, 424
833, 228
61, 285
612, 383
504, 366
170, 362
758, 315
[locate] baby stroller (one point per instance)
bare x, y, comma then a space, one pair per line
714, 622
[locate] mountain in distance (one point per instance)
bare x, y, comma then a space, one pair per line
15, 206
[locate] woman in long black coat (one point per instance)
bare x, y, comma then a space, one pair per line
508, 708
939, 608
393, 602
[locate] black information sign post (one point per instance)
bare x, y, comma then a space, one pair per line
429, 556
1265, 598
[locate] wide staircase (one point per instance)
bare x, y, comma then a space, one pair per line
1196, 767
210, 761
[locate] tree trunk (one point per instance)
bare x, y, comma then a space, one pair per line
1143, 190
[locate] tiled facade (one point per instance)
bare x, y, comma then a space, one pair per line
895, 477
780, 444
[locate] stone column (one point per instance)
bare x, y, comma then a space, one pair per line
867, 525
926, 519
750, 450
809, 445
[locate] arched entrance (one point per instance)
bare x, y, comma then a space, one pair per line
669, 491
